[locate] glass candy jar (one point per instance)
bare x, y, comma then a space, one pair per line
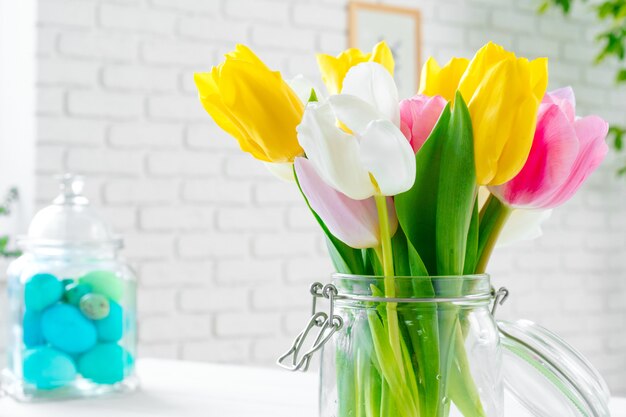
430, 347
72, 306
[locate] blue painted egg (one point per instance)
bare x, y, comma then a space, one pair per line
111, 328
65, 328
31, 325
41, 291
106, 283
47, 368
74, 292
106, 363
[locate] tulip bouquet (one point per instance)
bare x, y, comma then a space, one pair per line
394, 185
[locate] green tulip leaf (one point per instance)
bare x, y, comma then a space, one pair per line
456, 193
471, 251
417, 207
400, 254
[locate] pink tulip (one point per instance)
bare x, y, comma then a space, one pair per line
418, 117
565, 151
354, 222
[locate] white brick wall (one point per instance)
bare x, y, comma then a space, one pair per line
225, 252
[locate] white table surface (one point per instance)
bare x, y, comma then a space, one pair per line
189, 389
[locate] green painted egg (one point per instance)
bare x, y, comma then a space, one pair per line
106, 363
76, 291
47, 368
94, 306
106, 283
41, 291
66, 282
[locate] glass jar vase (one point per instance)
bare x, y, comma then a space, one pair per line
72, 306
430, 347
430, 350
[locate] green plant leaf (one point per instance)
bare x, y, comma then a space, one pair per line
462, 387
373, 264
492, 216
604, 9
543, 7
343, 257
471, 252
400, 254
417, 207
456, 194
618, 137
416, 265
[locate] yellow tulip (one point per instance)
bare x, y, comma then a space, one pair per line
503, 94
334, 69
438, 81
254, 105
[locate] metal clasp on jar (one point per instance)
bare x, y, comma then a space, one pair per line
329, 324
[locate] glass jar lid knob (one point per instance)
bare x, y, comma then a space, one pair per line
71, 186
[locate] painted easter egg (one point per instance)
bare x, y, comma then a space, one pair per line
106, 363
111, 328
47, 368
31, 328
105, 283
41, 291
65, 328
94, 306
76, 291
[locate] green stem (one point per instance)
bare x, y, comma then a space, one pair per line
358, 380
385, 243
393, 326
493, 217
462, 388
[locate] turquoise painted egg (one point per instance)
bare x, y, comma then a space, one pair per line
67, 282
47, 368
76, 291
31, 325
111, 328
66, 329
41, 291
94, 306
106, 283
106, 363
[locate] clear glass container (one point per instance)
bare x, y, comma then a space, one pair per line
72, 306
430, 347
412, 346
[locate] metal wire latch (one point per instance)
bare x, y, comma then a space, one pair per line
328, 325
499, 297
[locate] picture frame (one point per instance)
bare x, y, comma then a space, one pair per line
400, 27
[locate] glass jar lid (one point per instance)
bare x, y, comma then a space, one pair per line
548, 376
69, 221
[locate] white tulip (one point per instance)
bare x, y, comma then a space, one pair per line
522, 225
368, 155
